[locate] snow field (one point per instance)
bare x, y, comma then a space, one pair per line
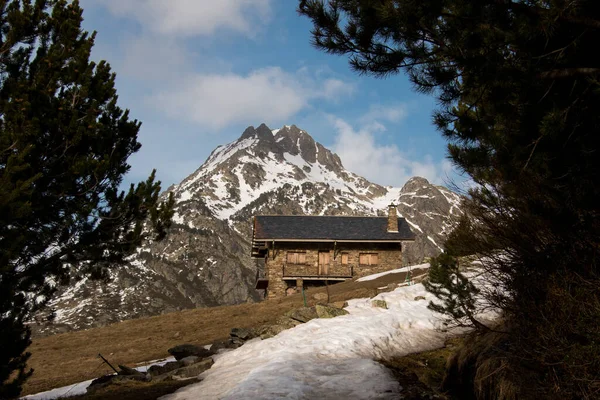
327, 358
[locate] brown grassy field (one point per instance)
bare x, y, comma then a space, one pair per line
68, 358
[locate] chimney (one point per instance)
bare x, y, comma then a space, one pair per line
392, 225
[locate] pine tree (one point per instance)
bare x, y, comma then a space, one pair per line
453, 288
64, 145
518, 83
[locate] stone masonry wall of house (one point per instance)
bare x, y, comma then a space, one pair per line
389, 257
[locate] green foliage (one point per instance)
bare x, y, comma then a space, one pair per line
64, 145
509, 75
518, 83
453, 289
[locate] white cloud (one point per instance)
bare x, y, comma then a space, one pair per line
153, 59
333, 89
266, 94
388, 113
384, 164
201, 88
188, 18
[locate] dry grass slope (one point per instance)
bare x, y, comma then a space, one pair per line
73, 357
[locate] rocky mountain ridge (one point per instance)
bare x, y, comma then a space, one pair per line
205, 259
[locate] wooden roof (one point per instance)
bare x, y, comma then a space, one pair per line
328, 228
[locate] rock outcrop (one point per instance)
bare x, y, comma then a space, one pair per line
189, 350
325, 311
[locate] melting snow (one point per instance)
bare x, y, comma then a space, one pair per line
70, 293
394, 271
391, 197
177, 218
185, 195
327, 358
81, 387
433, 241
414, 225
452, 198
65, 391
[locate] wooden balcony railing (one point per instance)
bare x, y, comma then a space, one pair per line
311, 271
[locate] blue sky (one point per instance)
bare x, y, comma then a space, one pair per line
198, 72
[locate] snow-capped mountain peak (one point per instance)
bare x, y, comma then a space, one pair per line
205, 259
262, 161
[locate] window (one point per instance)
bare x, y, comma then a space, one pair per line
294, 257
344, 258
323, 257
368, 259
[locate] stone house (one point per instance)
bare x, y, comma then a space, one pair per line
302, 251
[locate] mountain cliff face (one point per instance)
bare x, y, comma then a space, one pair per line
205, 259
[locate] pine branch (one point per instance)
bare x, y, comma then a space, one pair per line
568, 73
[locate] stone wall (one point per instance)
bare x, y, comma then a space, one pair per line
389, 257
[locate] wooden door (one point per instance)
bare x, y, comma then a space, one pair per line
323, 263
